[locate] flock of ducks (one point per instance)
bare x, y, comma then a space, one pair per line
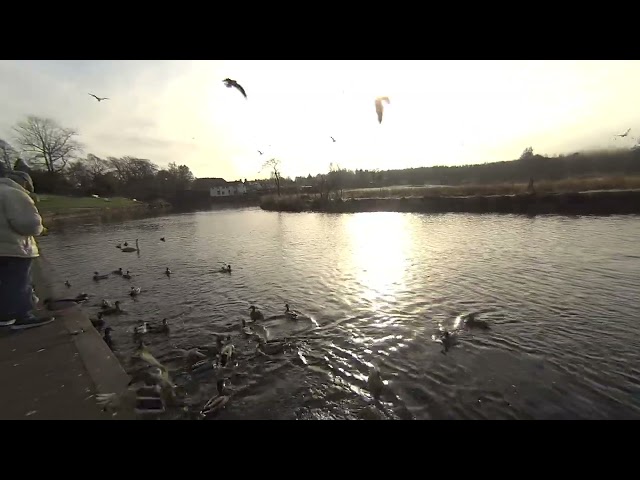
151, 388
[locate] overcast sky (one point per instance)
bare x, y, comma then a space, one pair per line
441, 112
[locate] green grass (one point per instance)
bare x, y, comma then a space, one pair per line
62, 204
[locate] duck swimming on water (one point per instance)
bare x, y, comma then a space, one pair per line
255, 313
135, 291
97, 276
290, 314
131, 249
118, 271
470, 321
215, 404
162, 328
116, 310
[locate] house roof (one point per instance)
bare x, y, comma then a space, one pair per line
207, 183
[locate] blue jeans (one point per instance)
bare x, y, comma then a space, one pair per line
16, 293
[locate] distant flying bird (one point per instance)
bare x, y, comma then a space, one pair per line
379, 106
232, 83
259, 152
334, 140
98, 98
622, 135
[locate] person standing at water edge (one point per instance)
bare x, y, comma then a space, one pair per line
20, 221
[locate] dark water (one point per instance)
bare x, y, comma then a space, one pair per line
561, 295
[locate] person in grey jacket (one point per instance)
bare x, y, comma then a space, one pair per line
20, 221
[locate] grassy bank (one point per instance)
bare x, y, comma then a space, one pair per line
570, 185
603, 202
58, 209
58, 204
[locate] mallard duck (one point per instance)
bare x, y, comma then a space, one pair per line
290, 314
200, 367
116, 310
99, 322
271, 348
127, 275
162, 328
167, 272
135, 291
131, 249
470, 321
374, 382
118, 271
226, 269
141, 329
107, 337
255, 313
215, 404
67, 284
97, 276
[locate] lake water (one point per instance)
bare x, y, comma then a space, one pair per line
562, 297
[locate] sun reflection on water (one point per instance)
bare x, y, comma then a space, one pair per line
380, 247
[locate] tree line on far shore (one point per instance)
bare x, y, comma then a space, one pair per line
56, 164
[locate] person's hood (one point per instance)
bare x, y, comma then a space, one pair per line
11, 184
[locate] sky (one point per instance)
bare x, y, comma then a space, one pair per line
445, 112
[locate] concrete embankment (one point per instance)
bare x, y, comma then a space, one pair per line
53, 372
609, 202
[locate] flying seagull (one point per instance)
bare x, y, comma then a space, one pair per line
334, 140
232, 83
379, 106
98, 98
259, 152
622, 135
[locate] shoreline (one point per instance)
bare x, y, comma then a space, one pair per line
108, 215
601, 202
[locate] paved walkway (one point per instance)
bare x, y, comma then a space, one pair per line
50, 373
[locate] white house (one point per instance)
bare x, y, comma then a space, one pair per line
228, 189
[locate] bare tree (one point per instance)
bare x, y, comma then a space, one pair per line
96, 165
274, 165
7, 155
47, 142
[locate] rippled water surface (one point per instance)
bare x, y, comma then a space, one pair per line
562, 296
